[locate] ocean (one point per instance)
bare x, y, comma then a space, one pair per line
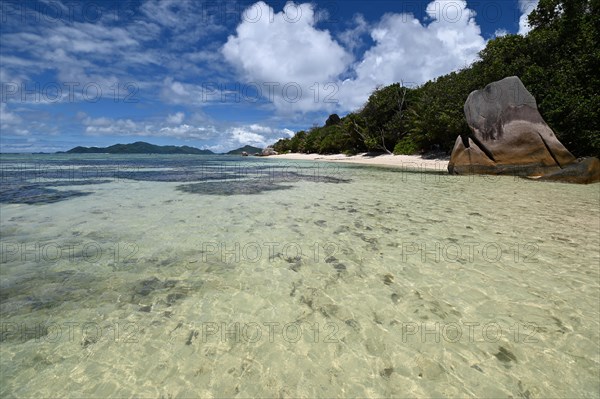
180, 276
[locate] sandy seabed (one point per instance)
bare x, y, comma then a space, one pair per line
400, 161
375, 284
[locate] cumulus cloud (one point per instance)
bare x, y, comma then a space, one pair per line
298, 65
286, 49
352, 38
526, 7
405, 50
257, 135
244, 136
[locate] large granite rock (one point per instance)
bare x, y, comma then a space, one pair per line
508, 135
269, 151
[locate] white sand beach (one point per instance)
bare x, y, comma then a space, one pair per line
399, 161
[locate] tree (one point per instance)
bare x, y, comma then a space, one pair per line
382, 117
558, 62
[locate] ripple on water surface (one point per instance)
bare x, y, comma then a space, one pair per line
360, 283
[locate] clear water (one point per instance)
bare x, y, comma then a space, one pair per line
187, 276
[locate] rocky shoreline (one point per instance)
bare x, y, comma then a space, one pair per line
509, 137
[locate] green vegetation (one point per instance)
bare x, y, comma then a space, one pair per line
247, 149
558, 62
139, 147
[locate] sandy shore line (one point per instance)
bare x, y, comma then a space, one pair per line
398, 161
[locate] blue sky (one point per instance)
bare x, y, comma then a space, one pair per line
220, 75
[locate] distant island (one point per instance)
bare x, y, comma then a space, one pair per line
139, 147
248, 149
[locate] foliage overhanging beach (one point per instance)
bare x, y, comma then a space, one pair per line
403, 119
397, 161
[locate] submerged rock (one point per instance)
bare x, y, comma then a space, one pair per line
34, 194
509, 136
232, 188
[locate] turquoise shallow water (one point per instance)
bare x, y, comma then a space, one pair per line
194, 277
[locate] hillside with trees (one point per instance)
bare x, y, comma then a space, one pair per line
139, 147
558, 62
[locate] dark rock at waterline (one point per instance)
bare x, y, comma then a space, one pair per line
584, 171
508, 135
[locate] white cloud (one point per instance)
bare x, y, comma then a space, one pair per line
407, 50
90, 38
404, 50
176, 118
244, 137
11, 123
108, 51
183, 131
7, 117
164, 12
186, 21
351, 38
500, 32
107, 126
164, 50
286, 49
227, 137
256, 135
104, 126
187, 94
526, 7
79, 53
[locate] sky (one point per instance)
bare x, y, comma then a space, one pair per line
217, 74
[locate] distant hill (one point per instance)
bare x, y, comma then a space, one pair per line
139, 147
247, 148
